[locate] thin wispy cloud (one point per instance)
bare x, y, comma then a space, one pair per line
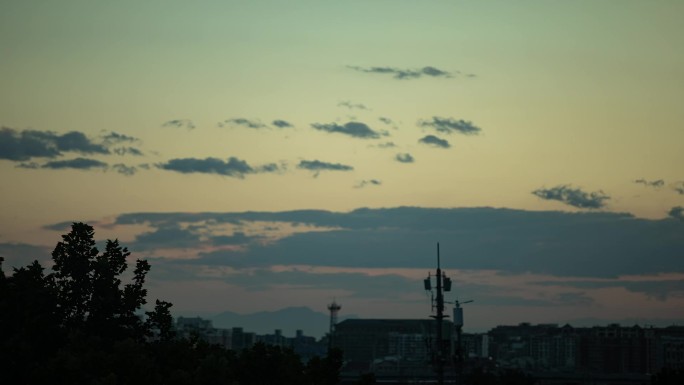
317, 166
127, 151
180, 123
386, 145
385, 120
368, 182
574, 197
434, 141
352, 106
124, 169
404, 158
650, 183
255, 124
232, 167
353, 129
450, 125
399, 73
115, 138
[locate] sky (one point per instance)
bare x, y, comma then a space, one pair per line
269, 154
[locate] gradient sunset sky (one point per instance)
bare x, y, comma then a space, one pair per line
267, 154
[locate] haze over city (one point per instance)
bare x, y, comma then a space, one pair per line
271, 154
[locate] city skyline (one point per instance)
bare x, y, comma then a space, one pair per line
269, 155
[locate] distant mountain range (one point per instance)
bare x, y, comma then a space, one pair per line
288, 320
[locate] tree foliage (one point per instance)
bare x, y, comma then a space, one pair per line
80, 324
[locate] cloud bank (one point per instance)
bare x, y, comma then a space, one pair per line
584, 244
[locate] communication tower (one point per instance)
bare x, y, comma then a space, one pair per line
442, 284
334, 309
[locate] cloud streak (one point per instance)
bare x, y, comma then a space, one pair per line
574, 197
254, 124
434, 141
282, 123
26, 144
368, 182
653, 183
317, 165
450, 125
353, 129
180, 123
352, 106
232, 167
77, 163
403, 74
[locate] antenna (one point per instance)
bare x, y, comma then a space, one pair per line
437, 301
334, 309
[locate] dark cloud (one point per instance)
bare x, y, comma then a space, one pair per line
398, 73
367, 182
180, 123
352, 106
282, 123
232, 167
660, 289
358, 285
584, 244
24, 145
114, 138
127, 150
385, 120
404, 158
64, 226
355, 129
77, 142
124, 169
678, 187
77, 163
238, 238
18, 255
450, 125
167, 237
676, 212
317, 165
434, 141
573, 196
242, 122
652, 183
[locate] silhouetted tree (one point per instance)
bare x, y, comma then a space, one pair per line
325, 371
82, 325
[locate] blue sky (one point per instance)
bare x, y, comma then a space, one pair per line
271, 154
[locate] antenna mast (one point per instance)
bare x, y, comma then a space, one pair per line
334, 309
443, 284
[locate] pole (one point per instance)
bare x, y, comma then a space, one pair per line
439, 318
